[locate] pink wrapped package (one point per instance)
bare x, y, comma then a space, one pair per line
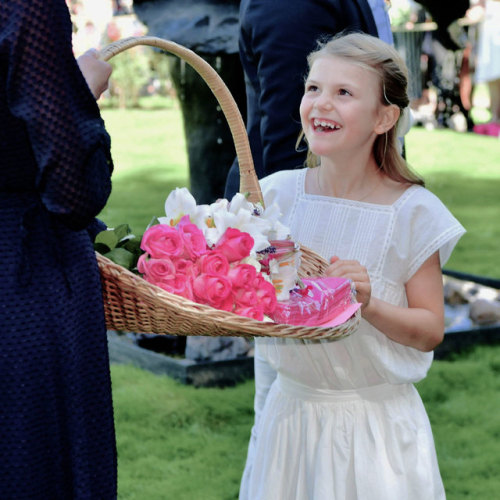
323, 301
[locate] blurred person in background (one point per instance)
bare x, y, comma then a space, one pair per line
488, 60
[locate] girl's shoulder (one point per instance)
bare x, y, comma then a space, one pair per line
419, 197
422, 226
282, 177
418, 207
283, 181
282, 187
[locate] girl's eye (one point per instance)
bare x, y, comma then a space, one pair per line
311, 88
344, 92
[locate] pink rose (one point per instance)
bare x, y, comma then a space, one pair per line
141, 264
251, 312
213, 263
244, 297
156, 270
234, 244
185, 267
242, 275
214, 291
181, 285
162, 241
194, 240
266, 294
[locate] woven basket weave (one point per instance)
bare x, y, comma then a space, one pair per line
133, 304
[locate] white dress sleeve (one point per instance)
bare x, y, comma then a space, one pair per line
423, 226
281, 188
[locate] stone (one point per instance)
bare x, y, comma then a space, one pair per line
484, 312
217, 348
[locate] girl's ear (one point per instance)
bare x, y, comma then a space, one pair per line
388, 117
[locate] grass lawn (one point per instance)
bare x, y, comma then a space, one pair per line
181, 443
177, 442
150, 159
463, 170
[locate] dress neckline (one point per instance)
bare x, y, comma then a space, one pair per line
367, 204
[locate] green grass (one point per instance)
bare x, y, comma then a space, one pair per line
149, 153
462, 400
181, 443
176, 441
463, 170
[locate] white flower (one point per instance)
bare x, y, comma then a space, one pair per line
201, 216
277, 230
208, 221
179, 202
213, 220
253, 262
239, 203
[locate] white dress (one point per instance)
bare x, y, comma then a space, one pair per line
341, 419
488, 56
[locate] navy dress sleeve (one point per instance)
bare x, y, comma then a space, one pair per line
48, 95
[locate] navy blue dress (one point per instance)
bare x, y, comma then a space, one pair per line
56, 418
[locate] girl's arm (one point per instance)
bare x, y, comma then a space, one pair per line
421, 324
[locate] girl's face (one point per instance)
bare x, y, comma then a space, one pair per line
341, 110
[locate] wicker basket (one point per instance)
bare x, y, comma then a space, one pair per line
133, 304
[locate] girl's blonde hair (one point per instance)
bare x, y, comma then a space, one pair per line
375, 55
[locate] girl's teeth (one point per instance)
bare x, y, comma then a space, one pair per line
324, 125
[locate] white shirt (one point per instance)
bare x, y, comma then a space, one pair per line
382, 20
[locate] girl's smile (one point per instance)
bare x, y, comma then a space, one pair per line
322, 125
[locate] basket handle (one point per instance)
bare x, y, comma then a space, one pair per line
248, 178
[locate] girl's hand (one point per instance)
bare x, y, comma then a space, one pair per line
95, 71
353, 270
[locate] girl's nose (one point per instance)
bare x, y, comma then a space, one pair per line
324, 102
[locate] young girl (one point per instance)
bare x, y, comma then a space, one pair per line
341, 419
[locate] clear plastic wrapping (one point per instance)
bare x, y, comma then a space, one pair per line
320, 301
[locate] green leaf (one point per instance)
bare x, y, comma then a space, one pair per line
133, 245
153, 222
101, 248
121, 257
122, 231
123, 241
108, 238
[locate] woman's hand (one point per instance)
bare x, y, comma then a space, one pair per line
353, 270
95, 71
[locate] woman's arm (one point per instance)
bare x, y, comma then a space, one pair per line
421, 324
48, 95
